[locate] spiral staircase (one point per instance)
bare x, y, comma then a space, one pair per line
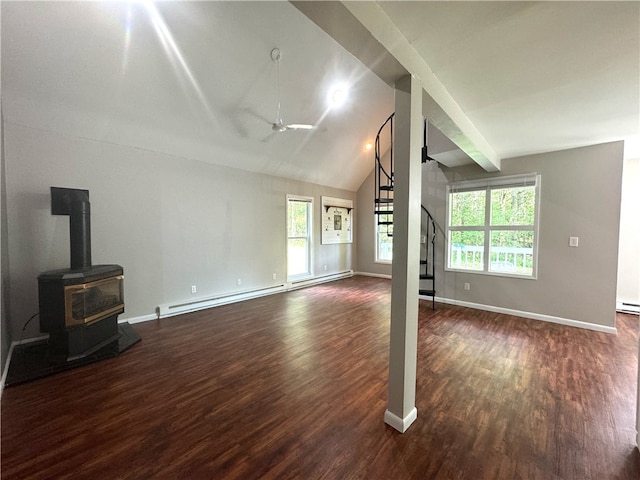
383, 209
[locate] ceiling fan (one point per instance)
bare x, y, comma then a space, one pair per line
279, 125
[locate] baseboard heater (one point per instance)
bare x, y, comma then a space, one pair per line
171, 309
628, 308
317, 280
168, 310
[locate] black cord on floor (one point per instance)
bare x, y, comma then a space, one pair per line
24, 327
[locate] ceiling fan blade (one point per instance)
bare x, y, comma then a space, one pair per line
300, 126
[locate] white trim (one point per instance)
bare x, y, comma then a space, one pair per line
487, 184
496, 181
308, 237
628, 308
177, 308
10, 354
400, 424
6, 368
519, 313
317, 280
170, 309
377, 275
139, 319
376, 238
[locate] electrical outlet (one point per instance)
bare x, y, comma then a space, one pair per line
274, 276
573, 241
467, 286
193, 289
325, 268
239, 281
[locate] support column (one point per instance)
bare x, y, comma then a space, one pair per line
401, 410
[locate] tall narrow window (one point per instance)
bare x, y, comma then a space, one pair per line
492, 225
299, 210
384, 235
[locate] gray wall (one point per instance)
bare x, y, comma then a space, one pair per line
5, 334
170, 222
366, 252
580, 196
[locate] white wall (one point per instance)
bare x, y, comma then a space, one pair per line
169, 221
580, 196
629, 250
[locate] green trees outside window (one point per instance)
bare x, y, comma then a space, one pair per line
298, 237
492, 227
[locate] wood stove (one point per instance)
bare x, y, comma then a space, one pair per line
79, 306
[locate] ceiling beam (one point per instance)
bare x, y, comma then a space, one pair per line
364, 30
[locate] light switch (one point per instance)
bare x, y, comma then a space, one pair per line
573, 241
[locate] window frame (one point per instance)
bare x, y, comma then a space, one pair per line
309, 237
487, 185
377, 232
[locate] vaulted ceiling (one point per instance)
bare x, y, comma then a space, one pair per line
195, 79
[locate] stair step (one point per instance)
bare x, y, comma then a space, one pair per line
387, 188
383, 212
384, 200
426, 276
428, 293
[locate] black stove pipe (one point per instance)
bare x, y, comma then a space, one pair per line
80, 234
75, 203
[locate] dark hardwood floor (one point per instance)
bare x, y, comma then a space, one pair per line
294, 386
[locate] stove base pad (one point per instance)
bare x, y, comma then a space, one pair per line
31, 361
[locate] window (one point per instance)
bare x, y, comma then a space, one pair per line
384, 235
492, 225
299, 211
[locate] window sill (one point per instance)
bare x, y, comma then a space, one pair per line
493, 274
383, 262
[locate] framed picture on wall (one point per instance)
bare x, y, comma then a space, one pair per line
337, 220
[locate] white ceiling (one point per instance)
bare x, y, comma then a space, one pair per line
533, 76
195, 80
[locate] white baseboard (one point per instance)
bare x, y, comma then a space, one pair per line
519, 313
318, 280
139, 319
400, 424
377, 275
177, 308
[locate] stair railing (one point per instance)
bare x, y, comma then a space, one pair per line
383, 201
428, 262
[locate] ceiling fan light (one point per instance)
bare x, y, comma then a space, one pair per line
337, 96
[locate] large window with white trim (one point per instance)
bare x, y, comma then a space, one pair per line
492, 225
299, 239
